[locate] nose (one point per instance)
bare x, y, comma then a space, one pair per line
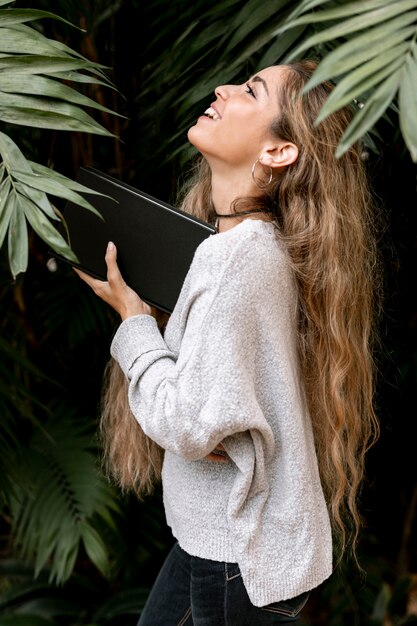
221, 92
224, 91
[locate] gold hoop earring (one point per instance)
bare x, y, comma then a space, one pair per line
256, 180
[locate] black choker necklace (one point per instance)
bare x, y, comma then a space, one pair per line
240, 213
237, 215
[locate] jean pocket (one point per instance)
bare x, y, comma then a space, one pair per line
289, 608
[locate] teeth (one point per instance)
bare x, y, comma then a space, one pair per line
210, 112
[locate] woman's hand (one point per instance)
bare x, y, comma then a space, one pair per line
114, 291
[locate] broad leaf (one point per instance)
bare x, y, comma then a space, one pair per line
82, 78
251, 16
375, 106
408, 103
51, 185
360, 49
346, 10
303, 6
39, 64
65, 487
44, 113
45, 119
18, 237
279, 47
58, 48
14, 40
12, 155
359, 23
18, 16
37, 197
47, 88
362, 80
6, 209
60, 178
95, 548
43, 227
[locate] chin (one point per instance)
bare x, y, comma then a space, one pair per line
201, 143
191, 136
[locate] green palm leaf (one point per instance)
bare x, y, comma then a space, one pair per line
408, 102
49, 64
377, 103
360, 81
47, 113
63, 485
56, 187
23, 197
18, 16
6, 209
375, 58
26, 40
32, 94
43, 227
368, 45
46, 88
18, 236
353, 25
253, 15
345, 10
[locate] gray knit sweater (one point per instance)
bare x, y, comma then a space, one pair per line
226, 370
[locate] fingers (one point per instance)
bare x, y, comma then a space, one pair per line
112, 267
113, 272
114, 290
85, 277
114, 277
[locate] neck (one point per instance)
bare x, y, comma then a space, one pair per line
226, 188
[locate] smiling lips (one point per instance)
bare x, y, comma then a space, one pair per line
212, 113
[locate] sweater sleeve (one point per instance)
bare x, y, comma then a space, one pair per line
191, 403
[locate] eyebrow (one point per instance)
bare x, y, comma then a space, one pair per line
258, 79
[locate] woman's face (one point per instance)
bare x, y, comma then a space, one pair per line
236, 127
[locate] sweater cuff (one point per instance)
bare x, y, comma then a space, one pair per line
136, 336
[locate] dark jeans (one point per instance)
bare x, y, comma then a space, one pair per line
198, 592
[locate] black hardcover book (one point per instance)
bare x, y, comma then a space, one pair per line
155, 242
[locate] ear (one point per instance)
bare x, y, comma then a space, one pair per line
280, 155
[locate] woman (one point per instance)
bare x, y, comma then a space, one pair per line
259, 394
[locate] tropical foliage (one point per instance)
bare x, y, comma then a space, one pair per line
61, 520
33, 93
38, 474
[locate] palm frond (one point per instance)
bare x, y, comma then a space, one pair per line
32, 94
23, 200
374, 62
66, 489
18, 404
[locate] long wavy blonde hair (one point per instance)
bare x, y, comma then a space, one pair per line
326, 220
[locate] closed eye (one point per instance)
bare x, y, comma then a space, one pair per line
250, 90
